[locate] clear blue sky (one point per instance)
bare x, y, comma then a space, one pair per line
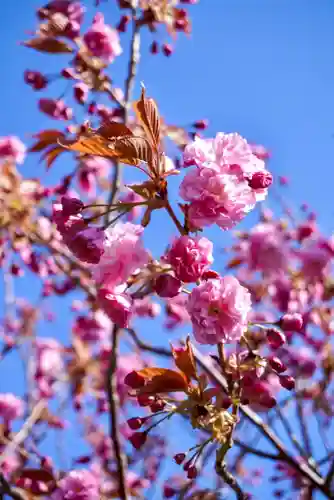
264, 68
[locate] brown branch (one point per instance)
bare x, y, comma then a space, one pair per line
304, 469
230, 480
6, 489
249, 449
303, 427
113, 399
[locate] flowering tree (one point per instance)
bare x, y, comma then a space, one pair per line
249, 372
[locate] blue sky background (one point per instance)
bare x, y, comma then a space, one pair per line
264, 68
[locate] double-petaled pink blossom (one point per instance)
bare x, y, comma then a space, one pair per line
102, 40
219, 310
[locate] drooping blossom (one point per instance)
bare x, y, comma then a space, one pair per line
102, 40
190, 257
77, 485
91, 169
219, 310
11, 407
124, 253
220, 189
11, 148
176, 311
72, 9
49, 365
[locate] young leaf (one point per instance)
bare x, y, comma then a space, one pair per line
132, 149
51, 155
111, 129
45, 139
49, 45
161, 380
184, 360
148, 115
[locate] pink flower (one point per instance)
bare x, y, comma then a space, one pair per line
11, 407
221, 190
219, 310
87, 245
146, 308
67, 225
11, 148
116, 305
49, 365
124, 253
216, 197
69, 8
190, 257
176, 311
77, 485
102, 40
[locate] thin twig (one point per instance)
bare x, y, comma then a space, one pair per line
133, 65
113, 399
231, 481
249, 449
6, 489
24, 432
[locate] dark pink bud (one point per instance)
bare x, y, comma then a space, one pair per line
167, 286
134, 380
56, 109
201, 124
35, 79
71, 206
145, 399
291, 322
154, 48
305, 231
136, 423
179, 458
168, 491
138, 439
226, 402
277, 365
123, 23
261, 180
167, 49
81, 91
284, 181
16, 270
267, 401
192, 472
275, 338
287, 382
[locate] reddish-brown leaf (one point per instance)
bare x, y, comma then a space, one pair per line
184, 360
45, 139
49, 45
148, 115
91, 144
131, 149
51, 155
161, 380
111, 129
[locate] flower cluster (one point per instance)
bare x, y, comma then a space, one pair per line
226, 182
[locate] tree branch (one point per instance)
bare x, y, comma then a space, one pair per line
114, 413
231, 481
6, 489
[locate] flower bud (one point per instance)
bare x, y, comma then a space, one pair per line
157, 406
145, 399
275, 338
192, 472
136, 423
154, 48
276, 364
138, 439
168, 491
201, 124
81, 91
35, 79
71, 206
167, 49
287, 382
291, 322
179, 458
